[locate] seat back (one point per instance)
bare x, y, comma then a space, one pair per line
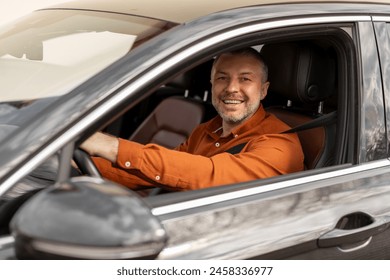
170, 123
305, 76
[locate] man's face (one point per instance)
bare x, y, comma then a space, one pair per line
237, 87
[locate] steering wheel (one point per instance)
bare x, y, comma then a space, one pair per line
87, 166
85, 163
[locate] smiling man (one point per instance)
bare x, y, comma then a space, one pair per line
243, 143
239, 81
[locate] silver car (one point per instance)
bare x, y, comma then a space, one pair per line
140, 70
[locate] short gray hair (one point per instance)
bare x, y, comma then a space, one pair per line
250, 52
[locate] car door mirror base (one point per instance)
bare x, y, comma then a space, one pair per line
87, 218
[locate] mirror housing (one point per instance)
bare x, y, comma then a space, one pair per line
87, 218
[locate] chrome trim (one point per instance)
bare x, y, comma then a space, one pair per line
180, 206
365, 244
97, 253
381, 18
6, 242
117, 99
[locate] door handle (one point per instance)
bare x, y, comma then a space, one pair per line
342, 236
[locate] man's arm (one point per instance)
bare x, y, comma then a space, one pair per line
269, 156
102, 145
104, 151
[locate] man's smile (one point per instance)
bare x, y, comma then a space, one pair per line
232, 101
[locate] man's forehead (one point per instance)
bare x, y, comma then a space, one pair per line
238, 71
240, 63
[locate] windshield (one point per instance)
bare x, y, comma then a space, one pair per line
50, 52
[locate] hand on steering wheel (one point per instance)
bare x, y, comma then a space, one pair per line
85, 163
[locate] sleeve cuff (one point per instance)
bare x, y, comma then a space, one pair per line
129, 154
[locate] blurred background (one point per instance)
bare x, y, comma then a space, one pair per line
13, 9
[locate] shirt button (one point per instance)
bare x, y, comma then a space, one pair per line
158, 178
217, 144
235, 135
127, 164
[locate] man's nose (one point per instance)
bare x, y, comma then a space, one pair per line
233, 85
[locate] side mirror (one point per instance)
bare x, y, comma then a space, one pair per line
87, 218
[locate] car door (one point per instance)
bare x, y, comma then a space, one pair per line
338, 212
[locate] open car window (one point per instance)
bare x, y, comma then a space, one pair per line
323, 142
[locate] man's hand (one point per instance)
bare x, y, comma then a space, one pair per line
102, 145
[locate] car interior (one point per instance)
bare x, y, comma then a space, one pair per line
302, 93
308, 84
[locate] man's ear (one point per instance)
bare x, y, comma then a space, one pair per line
264, 90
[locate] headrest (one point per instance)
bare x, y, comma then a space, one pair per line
196, 79
181, 81
300, 71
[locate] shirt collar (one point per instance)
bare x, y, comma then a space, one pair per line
215, 125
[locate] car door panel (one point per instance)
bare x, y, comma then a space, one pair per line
276, 220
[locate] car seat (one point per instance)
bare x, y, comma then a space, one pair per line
174, 118
304, 75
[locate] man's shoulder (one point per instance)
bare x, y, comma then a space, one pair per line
272, 124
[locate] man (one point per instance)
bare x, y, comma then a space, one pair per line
239, 83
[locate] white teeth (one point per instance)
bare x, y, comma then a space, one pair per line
232, 101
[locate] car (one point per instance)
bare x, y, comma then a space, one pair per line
140, 70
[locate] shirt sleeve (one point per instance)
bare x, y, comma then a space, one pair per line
268, 156
126, 178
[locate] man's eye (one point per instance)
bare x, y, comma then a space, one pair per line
221, 78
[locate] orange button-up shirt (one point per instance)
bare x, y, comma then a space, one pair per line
202, 161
